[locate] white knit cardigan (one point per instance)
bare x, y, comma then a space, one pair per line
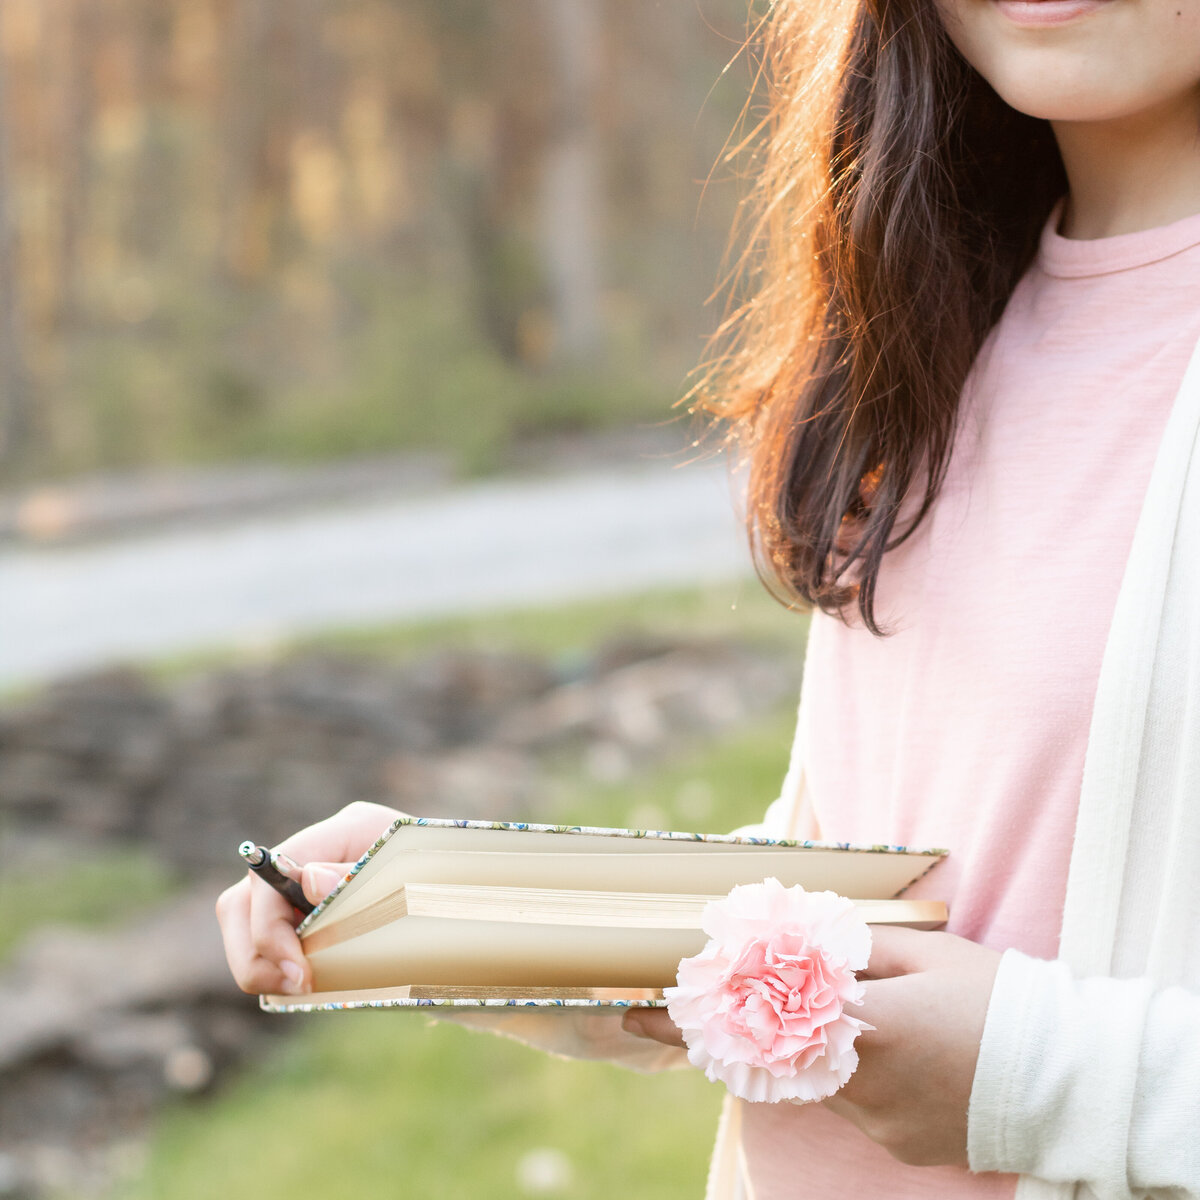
1088, 1079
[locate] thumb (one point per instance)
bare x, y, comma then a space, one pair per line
318, 879
899, 951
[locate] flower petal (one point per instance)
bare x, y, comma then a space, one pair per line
762, 1006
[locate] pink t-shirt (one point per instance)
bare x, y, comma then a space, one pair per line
966, 728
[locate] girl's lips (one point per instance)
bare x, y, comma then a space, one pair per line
1047, 12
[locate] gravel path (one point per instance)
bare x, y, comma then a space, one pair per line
494, 544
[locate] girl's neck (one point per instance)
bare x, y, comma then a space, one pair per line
1132, 174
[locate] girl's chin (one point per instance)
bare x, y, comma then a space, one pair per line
1065, 109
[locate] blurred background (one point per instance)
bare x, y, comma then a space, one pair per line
340, 346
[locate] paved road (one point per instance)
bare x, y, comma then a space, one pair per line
494, 544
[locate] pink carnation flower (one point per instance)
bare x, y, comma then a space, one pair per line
762, 1006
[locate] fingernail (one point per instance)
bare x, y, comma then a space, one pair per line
325, 879
286, 865
633, 1024
294, 976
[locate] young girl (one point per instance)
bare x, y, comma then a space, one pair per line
962, 384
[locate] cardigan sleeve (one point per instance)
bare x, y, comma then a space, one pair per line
1092, 1080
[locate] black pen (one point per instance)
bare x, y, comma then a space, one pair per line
262, 862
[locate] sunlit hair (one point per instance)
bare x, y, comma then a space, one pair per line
896, 201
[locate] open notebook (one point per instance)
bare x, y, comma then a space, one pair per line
470, 914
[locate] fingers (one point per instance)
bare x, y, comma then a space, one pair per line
899, 951
318, 879
896, 951
653, 1023
272, 926
890, 955
257, 923
261, 946
343, 837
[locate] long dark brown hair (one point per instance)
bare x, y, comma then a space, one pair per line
896, 201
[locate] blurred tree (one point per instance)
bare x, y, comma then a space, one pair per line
572, 184
327, 201
151, 201
14, 375
252, 111
74, 22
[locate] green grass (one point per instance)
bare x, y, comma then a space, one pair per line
713, 788
741, 610
104, 890
389, 1105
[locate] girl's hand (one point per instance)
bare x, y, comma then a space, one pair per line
927, 996
258, 924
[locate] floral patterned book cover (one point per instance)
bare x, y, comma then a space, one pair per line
432, 840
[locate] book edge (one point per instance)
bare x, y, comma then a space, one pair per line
269, 1005
935, 854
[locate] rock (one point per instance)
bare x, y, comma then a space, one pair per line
187, 1068
473, 783
98, 1029
66, 988
261, 749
